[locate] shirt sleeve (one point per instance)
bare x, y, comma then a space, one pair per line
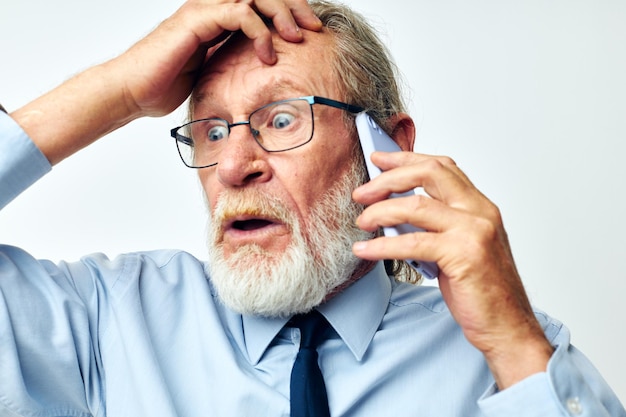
571, 386
47, 359
21, 162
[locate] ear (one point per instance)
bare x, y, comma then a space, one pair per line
403, 131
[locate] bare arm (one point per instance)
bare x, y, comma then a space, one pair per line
155, 75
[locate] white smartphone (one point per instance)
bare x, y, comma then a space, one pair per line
373, 138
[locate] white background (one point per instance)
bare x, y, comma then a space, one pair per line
528, 97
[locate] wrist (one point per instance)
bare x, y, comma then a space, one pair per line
518, 361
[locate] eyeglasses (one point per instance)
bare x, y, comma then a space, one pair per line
277, 127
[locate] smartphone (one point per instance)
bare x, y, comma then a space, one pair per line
373, 138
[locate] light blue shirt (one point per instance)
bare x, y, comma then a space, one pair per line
144, 335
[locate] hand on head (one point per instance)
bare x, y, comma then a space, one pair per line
170, 57
155, 75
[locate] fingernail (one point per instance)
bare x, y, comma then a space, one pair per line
359, 246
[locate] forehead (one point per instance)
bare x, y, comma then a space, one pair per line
236, 75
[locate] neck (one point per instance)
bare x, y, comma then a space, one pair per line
362, 268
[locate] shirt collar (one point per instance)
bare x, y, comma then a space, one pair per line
355, 314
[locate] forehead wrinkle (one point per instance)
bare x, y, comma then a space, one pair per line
268, 83
274, 87
269, 90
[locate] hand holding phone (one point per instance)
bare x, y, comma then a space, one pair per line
373, 138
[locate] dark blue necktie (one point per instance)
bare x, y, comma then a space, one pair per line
308, 391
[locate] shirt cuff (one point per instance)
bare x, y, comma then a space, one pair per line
532, 397
563, 390
21, 162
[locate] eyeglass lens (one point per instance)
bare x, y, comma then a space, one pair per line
276, 127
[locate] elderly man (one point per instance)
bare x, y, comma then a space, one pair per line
272, 135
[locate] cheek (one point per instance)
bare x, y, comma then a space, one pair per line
311, 178
210, 187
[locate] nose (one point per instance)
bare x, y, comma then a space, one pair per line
242, 161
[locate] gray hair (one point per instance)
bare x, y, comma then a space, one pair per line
363, 64
369, 78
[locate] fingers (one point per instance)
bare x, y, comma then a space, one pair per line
403, 210
453, 211
287, 17
398, 247
416, 209
237, 16
170, 57
439, 177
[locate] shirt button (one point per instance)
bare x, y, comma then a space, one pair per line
574, 406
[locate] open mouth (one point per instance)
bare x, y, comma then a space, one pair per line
243, 229
250, 224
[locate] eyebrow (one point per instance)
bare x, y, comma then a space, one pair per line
278, 89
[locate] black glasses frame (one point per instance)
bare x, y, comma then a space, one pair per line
309, 99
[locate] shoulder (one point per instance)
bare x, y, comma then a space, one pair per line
97, 273
96, 277
158, 267
161, 259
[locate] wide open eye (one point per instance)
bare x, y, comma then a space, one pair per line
217, 132
282, 120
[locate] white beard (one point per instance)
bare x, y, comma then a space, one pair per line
318, 260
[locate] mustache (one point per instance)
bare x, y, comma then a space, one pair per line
251, 203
